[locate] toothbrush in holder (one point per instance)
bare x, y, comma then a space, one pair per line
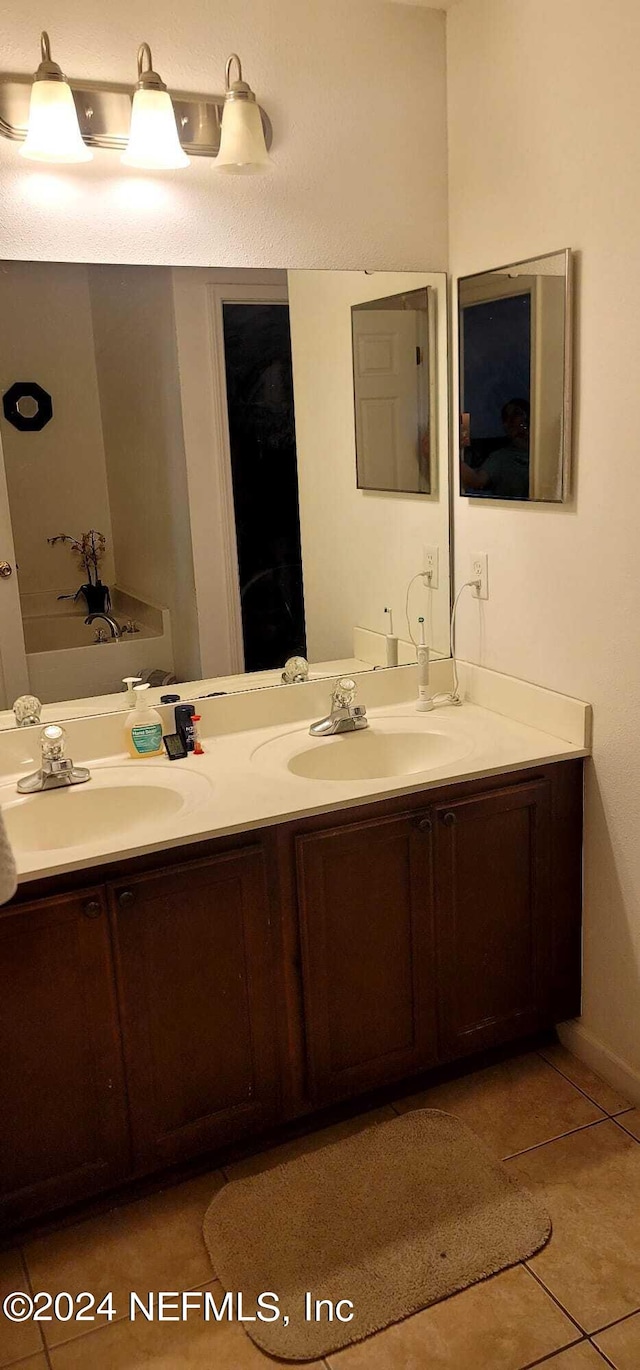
391, 642
425, 701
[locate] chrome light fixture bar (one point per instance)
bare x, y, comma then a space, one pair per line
104, 114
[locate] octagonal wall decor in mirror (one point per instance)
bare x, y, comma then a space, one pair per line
197, 485
514, 330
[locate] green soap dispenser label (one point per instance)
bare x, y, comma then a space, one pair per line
146, 737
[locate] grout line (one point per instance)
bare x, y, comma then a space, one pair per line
626, 1109
551, 1355
607, 1325
599, 1352
104, 1326
621, 1127
620, 1111
573, 1131
536, 1277
29, 1285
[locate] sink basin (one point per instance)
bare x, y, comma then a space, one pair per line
389, 748
117, 801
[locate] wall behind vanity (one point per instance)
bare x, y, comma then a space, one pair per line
345, 85
544, 111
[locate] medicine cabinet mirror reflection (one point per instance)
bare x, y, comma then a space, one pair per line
195, 484
394, 391
515, 381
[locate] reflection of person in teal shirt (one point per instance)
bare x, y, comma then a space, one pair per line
505, 473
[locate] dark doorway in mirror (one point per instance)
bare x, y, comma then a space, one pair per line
257, 345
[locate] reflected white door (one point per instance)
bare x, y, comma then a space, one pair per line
387, 357
13, 657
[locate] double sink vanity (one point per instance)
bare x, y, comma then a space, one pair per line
202, 950
205, 949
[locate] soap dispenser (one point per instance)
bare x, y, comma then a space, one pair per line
143, 726
129, 681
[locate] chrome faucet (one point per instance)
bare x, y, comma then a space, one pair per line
345, 716
113, 625
57, 769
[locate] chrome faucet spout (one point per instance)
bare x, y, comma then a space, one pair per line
114, 626
56, 769
345, 716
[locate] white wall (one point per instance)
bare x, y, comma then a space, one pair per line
544, 113
137, 366
355, 92
360, 548
55, 477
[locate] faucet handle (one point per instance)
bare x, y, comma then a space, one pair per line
53, 742
344, 693
27, 710
296, 668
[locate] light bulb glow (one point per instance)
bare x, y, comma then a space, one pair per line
53, 133
153, 137
243, 150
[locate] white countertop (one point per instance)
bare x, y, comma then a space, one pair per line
248, 785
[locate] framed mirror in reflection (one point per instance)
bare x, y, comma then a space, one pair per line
190, 515
515, 381
394, 361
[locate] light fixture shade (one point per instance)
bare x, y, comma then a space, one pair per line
53, 134
154, 144
242, 146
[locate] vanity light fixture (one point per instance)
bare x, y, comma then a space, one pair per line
243, 148
153, 144
53, 132
59, 120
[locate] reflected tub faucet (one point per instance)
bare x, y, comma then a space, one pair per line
113, 625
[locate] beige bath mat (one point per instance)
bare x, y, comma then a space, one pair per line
390, 1220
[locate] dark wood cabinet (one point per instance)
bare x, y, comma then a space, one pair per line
365, 900
195, 977
182, 1006
493, 917
64, 1131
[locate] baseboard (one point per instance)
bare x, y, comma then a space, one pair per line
587, 1048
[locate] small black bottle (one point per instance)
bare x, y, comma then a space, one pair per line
184, 725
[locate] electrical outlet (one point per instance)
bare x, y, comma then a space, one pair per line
430, 564
480, 571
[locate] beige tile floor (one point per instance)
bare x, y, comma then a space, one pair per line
574, 1306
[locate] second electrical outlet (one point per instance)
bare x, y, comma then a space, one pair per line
479, 569
430, 565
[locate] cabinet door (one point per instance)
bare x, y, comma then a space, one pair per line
366, 931
63, 1133
492, 856
193, 947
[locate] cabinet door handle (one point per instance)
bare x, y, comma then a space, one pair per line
92, 909
449, 819
125, 899
423, 824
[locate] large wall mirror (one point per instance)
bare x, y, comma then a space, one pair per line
179, 466
515, 380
